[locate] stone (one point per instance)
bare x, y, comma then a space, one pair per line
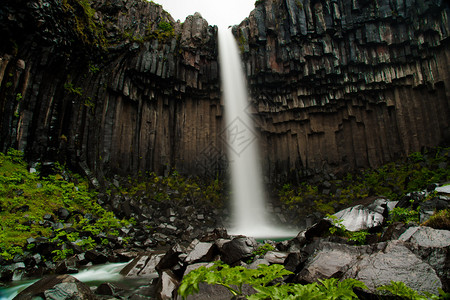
445, 190
108, 289
395, 263
57, 287
426, 237
329, 260
361, 217
144, 265
237, 249
275, 257
95, 257
63, 214
167, 285
202, 252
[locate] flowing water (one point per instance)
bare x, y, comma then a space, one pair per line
92, 276
249, 216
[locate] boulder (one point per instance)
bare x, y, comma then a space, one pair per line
201, 252
433, 246
394, 263
59, 287
362, 217
238, 249
144, 265
275, 257
329, 260
167, 285
108, 289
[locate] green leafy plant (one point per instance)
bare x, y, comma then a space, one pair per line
402, 291
231, 278
405, 215
260, 251
359, 237
61, 254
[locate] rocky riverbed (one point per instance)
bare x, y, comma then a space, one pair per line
415, 255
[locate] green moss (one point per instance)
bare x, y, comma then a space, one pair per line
26, 197
392, 181
439, 220
163, 32
85, 27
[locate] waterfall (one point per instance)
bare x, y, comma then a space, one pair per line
249, 216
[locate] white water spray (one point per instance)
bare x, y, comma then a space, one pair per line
249, 216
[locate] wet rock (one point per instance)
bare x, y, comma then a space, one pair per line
95, 257
167, 285
238, 249
63, 287
108, 289
171, 260
433, 246
144, 265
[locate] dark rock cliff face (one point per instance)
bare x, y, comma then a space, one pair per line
120, 87
340, 85
139, 92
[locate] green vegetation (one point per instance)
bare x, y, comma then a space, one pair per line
85, 27
175, 188
359, 237
392, 180
231, 278
26, 197
266, 280
69, 87
439, 220
259, 252
164, 31
405, 215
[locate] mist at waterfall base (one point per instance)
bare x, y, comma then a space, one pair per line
249, 216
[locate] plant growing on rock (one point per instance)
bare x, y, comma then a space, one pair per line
266, 280
26, 197
231, 278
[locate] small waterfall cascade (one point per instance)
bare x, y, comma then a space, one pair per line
249, 216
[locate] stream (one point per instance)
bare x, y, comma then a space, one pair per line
92, 276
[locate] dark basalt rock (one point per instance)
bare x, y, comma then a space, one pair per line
332, 87
57, 287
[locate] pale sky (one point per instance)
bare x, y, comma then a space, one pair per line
217, 12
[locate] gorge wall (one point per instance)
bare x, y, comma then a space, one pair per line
340, 85
120, 87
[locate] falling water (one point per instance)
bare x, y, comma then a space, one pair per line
249, 216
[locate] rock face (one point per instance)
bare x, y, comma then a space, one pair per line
347, 84
120, 87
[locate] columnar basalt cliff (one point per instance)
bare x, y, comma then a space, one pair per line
114, 87
340, 85
117, 87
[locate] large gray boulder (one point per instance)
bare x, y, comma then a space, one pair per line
362, 217
375, 265
433, 247
395, 263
